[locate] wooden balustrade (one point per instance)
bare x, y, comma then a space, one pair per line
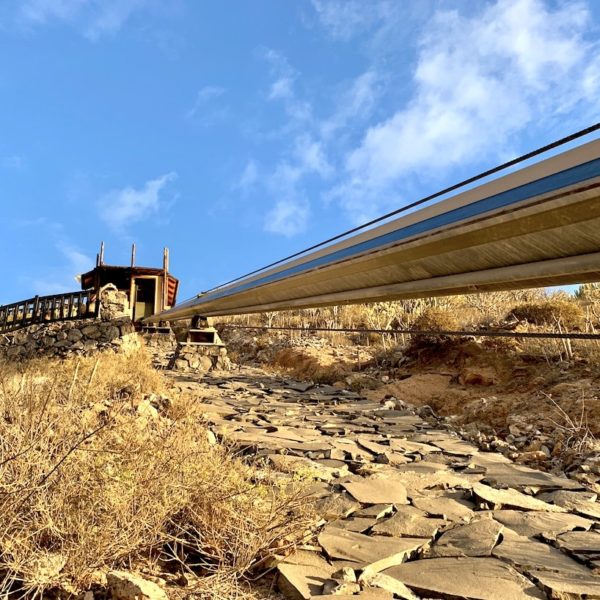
48, 309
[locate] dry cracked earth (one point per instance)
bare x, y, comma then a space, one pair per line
409, 510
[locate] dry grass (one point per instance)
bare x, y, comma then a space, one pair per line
551, 312
93, 476
300, 364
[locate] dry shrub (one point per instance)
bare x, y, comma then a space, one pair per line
551, 312
93, 476
433, 319
301, 365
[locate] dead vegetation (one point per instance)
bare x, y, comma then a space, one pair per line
99, 470
552, 312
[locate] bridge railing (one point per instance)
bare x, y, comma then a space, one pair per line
47, 309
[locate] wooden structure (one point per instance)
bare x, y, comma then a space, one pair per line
47, 309
148, 290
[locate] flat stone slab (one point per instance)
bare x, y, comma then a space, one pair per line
578, 502
456, 447
356, 524
444, 507
372, 553
568, 585
366, 594
409, 446
336, 506
302, 575
389, 584
422, 466
580, 542
417, 484
409, 521
376, 510
512, 498
306, 467
477, 538
530, 555
533, 523
377, 490
465, 578
501, 471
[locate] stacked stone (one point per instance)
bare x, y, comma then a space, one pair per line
198, 359
162, 347
68, 338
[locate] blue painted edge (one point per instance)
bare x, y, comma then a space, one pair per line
527, 191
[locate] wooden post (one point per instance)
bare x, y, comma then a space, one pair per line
36, 308
165, 295
132, 255
101, 261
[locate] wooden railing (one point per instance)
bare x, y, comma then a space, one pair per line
46, 309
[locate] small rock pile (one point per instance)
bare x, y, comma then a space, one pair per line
169, 354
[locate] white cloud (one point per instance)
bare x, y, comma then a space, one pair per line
124, 207
304, 154
381, 27
478, 81
75, 263
288, 217
203, 98
94, 18
249, 176
78, 262
310, 157
282, 89
355, 103
345, 18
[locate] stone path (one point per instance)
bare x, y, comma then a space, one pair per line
411, 511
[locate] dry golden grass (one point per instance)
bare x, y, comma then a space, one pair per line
552, 312
92, 477
301, 365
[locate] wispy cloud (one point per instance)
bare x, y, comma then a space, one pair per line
381, 27
249, 176
288, 217
94, 18
68, 261
304, 155
205, 110
78, 262
355, 103
346, 18
124, 207
282, 88
478, 81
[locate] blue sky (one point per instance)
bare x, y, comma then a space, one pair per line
238, 132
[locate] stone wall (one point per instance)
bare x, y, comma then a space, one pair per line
168, 353
115, 331
67, 338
